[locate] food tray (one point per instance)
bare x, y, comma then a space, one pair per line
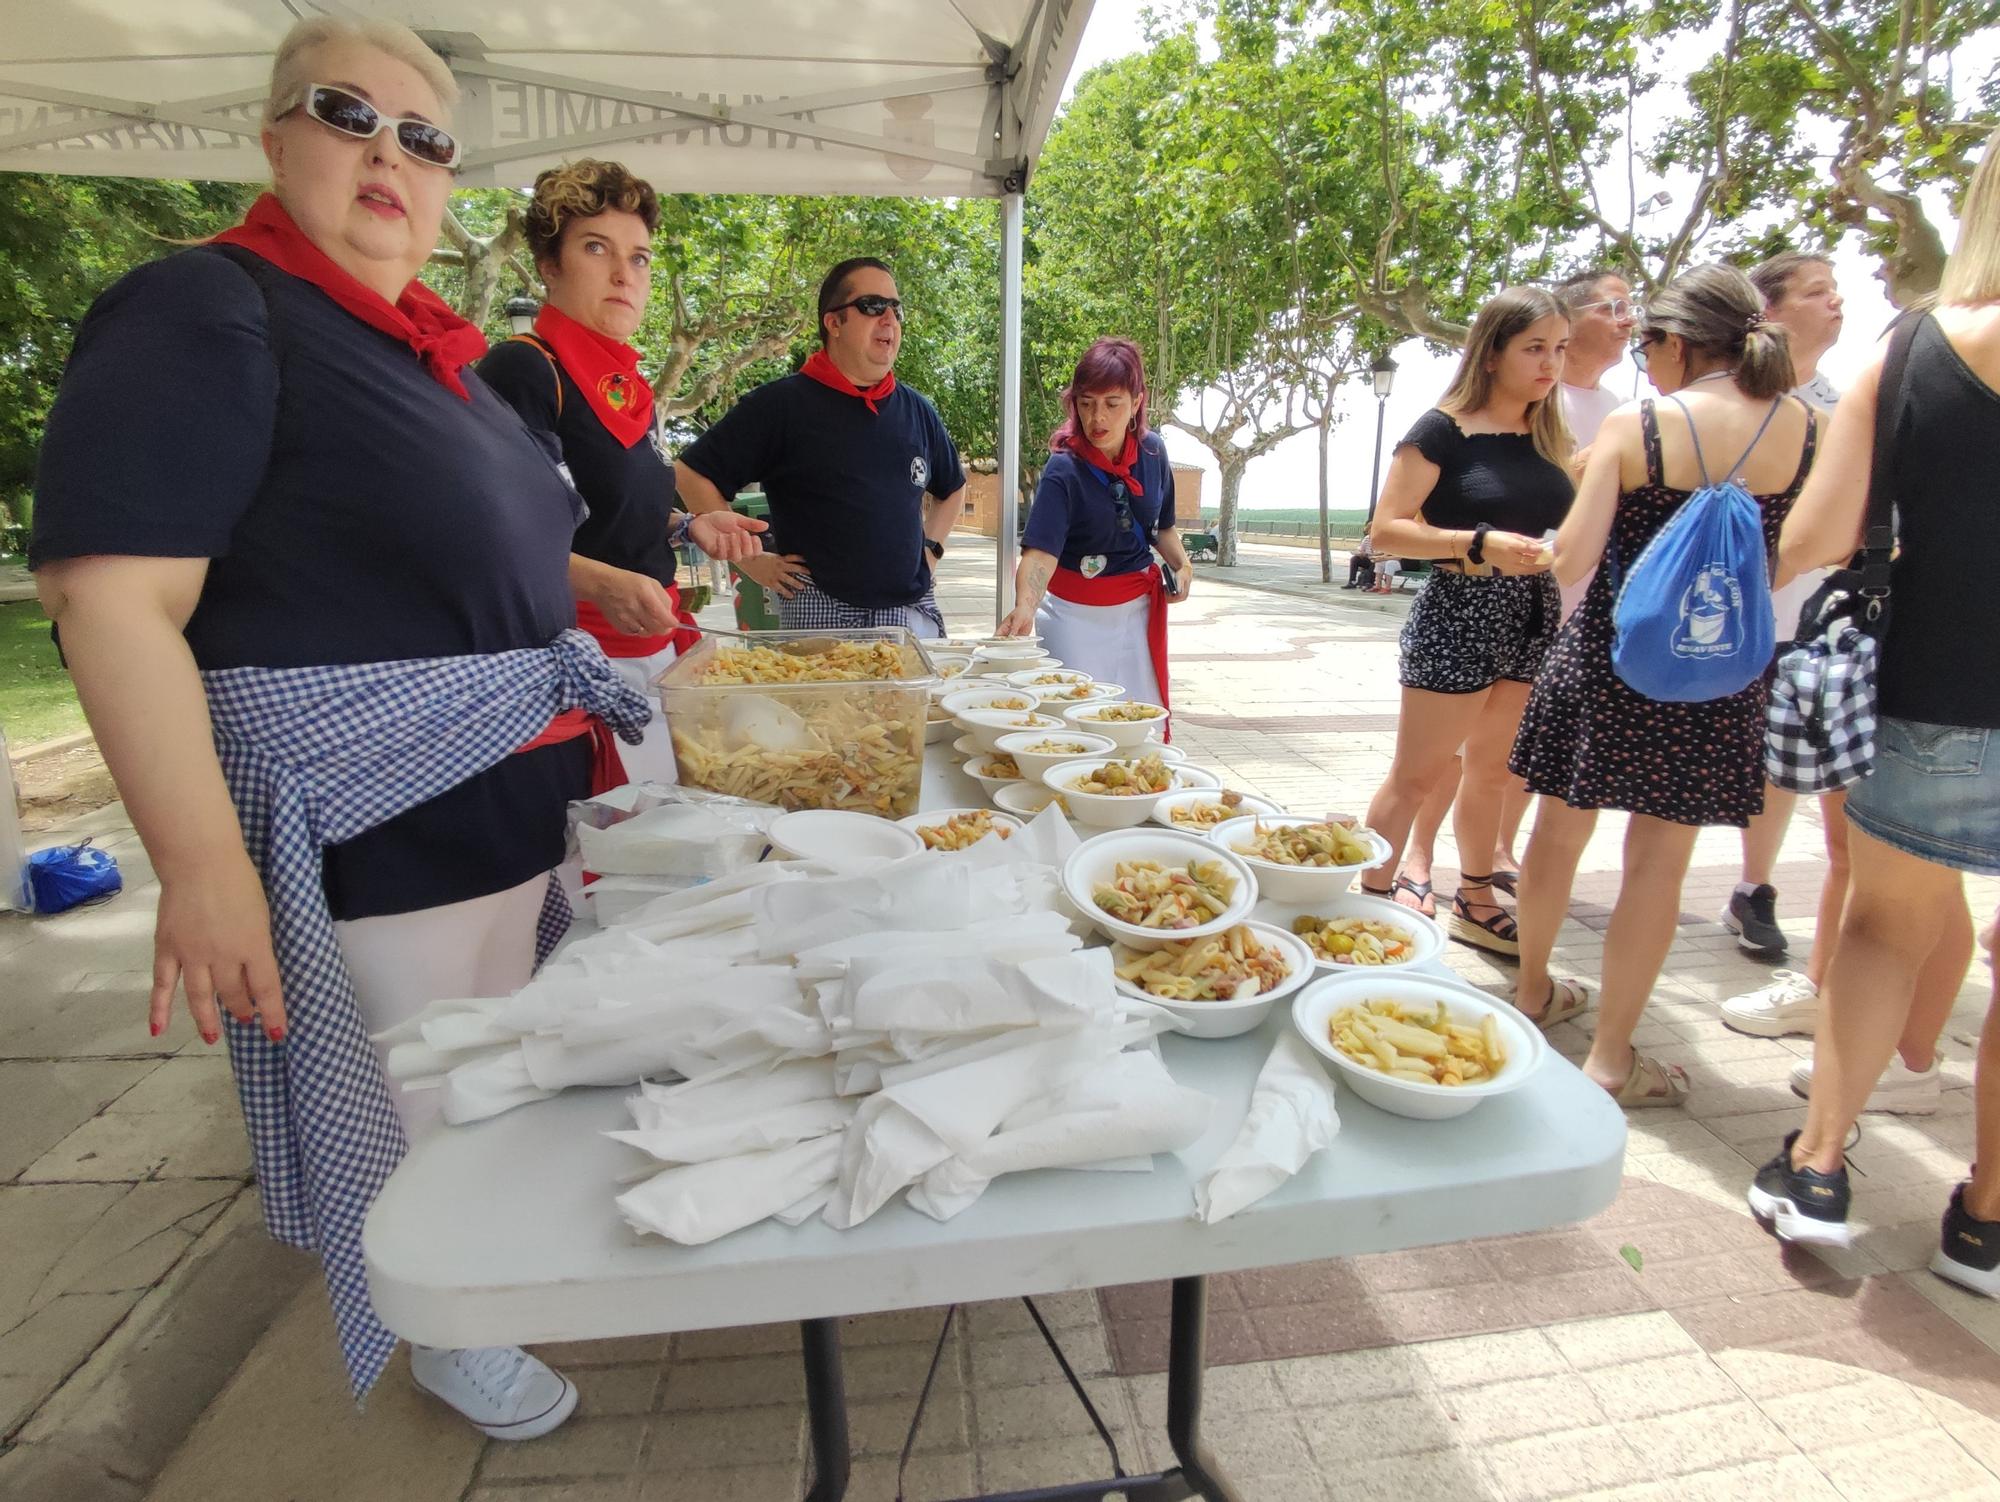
855, 745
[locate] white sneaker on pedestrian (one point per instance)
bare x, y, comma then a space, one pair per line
505, 1392
1787, 1007
1902, 1091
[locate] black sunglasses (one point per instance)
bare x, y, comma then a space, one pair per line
1639, 347
870, 305
351, 115
1121, 503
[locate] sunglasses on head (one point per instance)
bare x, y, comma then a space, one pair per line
1121, 503
347, 112
872, 306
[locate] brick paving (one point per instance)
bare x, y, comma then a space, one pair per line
1532, 1367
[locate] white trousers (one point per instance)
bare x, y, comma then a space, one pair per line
1106, 641
652, 760
484, 946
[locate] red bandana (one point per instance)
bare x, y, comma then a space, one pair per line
1124, 468
606, 371
822, 369
436, 335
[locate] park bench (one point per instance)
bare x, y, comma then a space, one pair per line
1200, 544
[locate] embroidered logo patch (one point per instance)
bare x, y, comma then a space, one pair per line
1092, 566
920, 472
616, 389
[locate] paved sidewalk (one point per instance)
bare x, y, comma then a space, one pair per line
1536, 1367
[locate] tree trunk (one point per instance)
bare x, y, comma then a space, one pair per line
1325, 545
1225, 517
484, 260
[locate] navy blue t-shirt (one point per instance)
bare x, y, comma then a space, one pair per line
630, 491
846, 485
352, 510
1075, 515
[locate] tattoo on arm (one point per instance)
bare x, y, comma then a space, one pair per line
1035, 581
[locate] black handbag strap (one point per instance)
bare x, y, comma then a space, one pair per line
1878, 537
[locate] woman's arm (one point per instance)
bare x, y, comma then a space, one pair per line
1398, 530
1581, 540
1831, 513
121, 621
1031, 582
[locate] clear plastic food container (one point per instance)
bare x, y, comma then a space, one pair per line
854, 744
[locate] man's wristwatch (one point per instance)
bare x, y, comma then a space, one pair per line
933, 547
1476, 551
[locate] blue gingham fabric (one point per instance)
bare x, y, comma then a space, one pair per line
813, 609
1819, 727
315, 756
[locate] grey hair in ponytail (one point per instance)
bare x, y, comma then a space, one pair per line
1719, 313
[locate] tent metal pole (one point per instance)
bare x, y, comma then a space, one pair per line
1007, 543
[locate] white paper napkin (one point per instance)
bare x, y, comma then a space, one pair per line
697, 1202
1291, 1117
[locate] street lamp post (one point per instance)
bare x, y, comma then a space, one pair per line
1382, 371
521, 313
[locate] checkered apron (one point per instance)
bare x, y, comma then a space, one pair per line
315, 756
813, 609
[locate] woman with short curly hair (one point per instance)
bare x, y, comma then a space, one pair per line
578, 386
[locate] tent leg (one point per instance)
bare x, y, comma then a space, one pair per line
1007, 548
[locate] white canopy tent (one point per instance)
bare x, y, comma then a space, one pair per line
931, 98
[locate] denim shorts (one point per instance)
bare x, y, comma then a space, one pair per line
1934, 794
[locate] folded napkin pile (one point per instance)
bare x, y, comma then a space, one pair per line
916, 1028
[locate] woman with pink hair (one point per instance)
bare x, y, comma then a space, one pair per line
1087, 580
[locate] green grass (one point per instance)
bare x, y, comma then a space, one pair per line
37, 701
1341, 522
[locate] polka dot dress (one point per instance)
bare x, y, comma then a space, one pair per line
1591, 741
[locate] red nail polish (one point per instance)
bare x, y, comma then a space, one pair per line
154, 1028
277, 1035
208, 1037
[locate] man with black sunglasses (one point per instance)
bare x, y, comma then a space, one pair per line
848, 458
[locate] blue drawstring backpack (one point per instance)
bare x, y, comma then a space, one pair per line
69, 876
1691, 621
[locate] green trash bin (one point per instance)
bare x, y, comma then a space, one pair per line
754, 610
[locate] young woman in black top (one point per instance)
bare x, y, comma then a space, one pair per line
1930, 808
578, 386
1476, 484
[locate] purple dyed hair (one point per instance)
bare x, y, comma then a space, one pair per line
1111, 364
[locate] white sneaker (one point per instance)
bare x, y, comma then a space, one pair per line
1788, 1006
505, 1392
1902, 1091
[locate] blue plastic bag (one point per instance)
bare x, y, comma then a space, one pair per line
71, 875
1691, 620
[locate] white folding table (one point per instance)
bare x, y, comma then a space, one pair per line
504, 1233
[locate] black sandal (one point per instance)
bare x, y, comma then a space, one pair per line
1421, 890
1505, 881
1498, 934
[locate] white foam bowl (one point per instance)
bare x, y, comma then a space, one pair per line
985, 728
1026, 639
839, 838
1023, 799
1426, 935
1226, 1019
1124, 732
1313, 1009
1168, 802
991, 785
1034, 763
1306, 884
1018, 651
1105, 810
936, 731
1095, 860
984, 695
933, 817
964, 746
1064, 676
1094, 693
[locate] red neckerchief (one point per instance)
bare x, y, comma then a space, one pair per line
606, 371
822, 369
1124, 468
419, 318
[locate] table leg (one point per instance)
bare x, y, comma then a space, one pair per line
1187, 1354
826, 1409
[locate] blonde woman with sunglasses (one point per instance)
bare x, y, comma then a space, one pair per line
314, 593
